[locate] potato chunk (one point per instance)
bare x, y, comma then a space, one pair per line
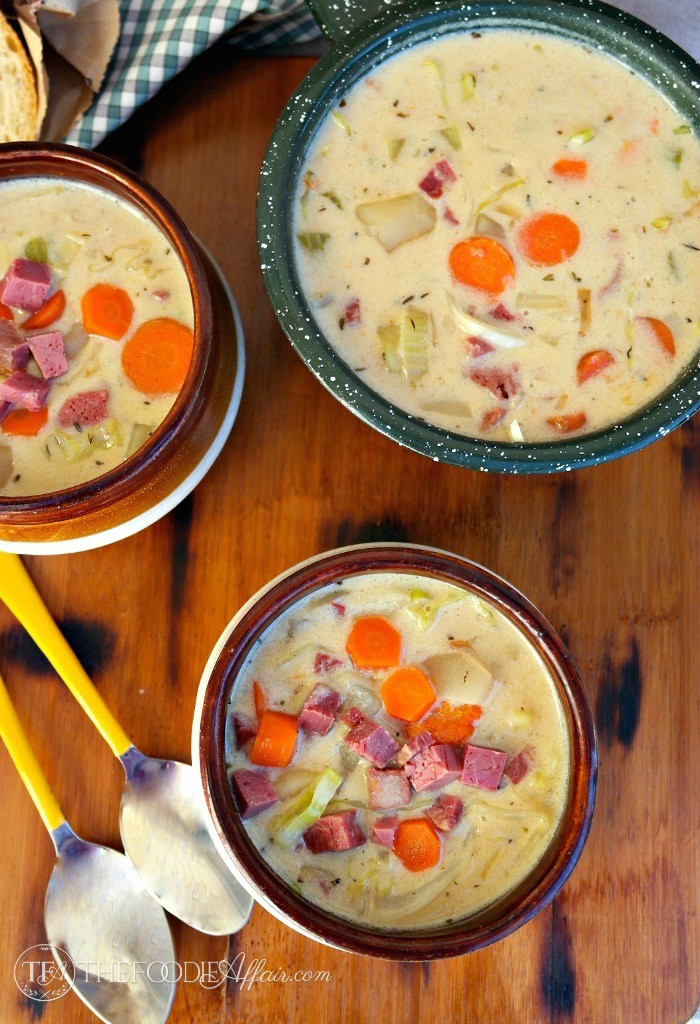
398, 220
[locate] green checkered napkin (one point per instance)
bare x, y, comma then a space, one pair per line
159, 37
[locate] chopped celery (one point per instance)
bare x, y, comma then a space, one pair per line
498, 193
682, 129
105, 435
313, 241
140, 433
661, 223
389, 340
477, 328
468, 85
439, 82
36, 250
288, 828
394, 146
78, 446
304, 203
582, 137
423, 609
333, 198
690, 191
452, 136
415, 333
675, 156
398, 220
341, 122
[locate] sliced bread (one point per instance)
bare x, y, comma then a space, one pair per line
18, 99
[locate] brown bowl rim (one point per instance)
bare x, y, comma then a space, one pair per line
463, 936
56, 160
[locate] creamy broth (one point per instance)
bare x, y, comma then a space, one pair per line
90, 238
485, 138
500, 836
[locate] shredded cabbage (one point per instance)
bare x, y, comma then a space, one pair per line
307, 808
477, 328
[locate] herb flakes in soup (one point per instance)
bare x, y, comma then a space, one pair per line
512, 247
397, 751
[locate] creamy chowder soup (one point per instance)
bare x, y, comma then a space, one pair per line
96, 321
397, 751
500, 233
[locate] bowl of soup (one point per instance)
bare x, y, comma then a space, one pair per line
490, 247
396, 752
121, 352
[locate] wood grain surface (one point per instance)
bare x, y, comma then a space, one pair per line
611, 555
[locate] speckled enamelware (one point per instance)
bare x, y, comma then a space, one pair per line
675, 74
208, 756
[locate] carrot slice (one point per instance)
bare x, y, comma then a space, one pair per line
275, 740
49, 312
417, 844
448, 723
25, 422
482, 263
567, 423
407, 694
374, 643
5, 312
259, 699
548, 238
157, 356
107, 311
660, 331
573, 170
593, 363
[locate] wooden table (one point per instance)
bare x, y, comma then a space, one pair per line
611, 555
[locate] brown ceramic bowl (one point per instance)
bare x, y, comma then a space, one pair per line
159, 475
219, 680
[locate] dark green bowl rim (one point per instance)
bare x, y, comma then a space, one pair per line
664, 64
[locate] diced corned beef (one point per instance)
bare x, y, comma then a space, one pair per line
320, 710
492, 418
483, 767
24, 390
477, 347
325, 663
444, 169
384, 831
502, 384
352, 313
518, 767
338, 608
254, 790
85, 408
501, 312
334, 832
446, 812
49, 352
14, 350
373, 742
414, 746
434, 767
353, 717
25, 285
244, 728
431, 184
388, 789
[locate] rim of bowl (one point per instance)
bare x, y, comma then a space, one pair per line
68, 163
659, 60
219, 678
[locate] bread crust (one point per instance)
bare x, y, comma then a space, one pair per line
18, 95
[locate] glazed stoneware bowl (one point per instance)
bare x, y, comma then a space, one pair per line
363, 40
181, 450
220, 679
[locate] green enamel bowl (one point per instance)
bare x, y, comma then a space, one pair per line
363, 39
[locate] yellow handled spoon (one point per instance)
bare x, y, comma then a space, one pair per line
97, 910
162, 817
